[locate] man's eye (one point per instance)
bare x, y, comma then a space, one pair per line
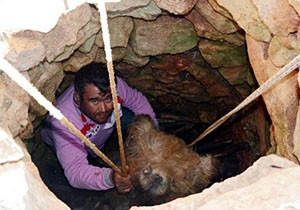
108, 99
94, 101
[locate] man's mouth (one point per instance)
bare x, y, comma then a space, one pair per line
101, 116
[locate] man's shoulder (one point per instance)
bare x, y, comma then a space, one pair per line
65, 99
65, 103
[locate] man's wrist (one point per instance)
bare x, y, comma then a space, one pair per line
111, 176
109, 179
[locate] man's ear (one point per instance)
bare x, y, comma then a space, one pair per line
76, 98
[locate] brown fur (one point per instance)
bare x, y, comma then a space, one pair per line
163, 164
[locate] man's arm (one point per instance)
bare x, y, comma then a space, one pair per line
134, 100
72, 156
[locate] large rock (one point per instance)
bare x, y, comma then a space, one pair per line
62, 41
21, 186
14, 103
47, 78
135, 60
281, 17
219, 54
120, 29
217, 20
144, 9
283, 114
10, 151
247, 17
283, 49
125, 5
176, 7
28, 48
206, 30
79, 59
165, 35
296, 5
220, 9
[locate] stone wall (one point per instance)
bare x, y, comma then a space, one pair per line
214, 39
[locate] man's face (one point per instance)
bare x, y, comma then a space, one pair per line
95, 104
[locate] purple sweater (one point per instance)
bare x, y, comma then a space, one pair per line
72, 153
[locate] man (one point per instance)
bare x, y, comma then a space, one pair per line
88, 105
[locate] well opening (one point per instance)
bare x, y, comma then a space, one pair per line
188, 90
192, 79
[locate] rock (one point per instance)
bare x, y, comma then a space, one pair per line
57, 44
118, 53
79, 59
217, 20
165, 35
120, 29
173, 64
206, 30
220, 9
14, 103
125, 5
296, 5
47, 78
247, 17
21, 186
26, 50
176, 7
219, 54
280, 54
71, 32
283, 114
87, 46
10, 151
281, 17
146, 10
236, 75
135, 60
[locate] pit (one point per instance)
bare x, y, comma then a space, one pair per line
194, 66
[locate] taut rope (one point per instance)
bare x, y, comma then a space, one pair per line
107, 48
288, 68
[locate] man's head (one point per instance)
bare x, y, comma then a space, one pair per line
92, 92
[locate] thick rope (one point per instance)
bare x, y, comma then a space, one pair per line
288, 68
107, 48
33, 91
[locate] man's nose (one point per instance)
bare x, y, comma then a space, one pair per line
102, 107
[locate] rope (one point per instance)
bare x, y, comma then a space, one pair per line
107, 49
288, 68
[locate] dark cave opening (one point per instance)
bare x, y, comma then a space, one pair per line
235, 153
188, 95
189, 92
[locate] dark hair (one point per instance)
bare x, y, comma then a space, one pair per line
93, 73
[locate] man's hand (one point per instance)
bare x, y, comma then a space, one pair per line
123, 184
